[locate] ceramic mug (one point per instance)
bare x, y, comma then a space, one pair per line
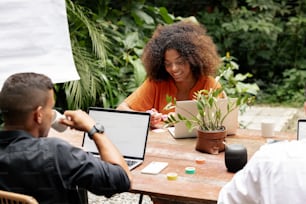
56, 125
267, 128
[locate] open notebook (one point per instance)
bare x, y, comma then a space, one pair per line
189, 106
128, 130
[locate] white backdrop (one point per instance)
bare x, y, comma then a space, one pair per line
34, 37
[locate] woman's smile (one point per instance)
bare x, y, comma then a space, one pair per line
176, 66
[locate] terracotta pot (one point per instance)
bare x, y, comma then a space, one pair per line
211, 142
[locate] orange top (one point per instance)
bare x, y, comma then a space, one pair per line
153, 94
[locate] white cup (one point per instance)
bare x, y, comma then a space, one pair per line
56, 125
267, 128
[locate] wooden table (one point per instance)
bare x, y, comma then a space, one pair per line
201, 187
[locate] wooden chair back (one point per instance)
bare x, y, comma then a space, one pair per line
16, 198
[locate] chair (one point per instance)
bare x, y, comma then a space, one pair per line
16, 198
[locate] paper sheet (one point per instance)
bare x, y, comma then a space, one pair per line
34, 36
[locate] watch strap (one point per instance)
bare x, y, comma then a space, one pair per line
92, 131
98, 127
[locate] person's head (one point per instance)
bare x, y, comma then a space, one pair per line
192, 44
26, 103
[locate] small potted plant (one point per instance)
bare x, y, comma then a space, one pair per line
209, 119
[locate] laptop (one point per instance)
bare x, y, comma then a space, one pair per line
301, 129
128, 131
189, 106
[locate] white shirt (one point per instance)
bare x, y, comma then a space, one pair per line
276, 174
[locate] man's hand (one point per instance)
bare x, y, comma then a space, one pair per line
78, 120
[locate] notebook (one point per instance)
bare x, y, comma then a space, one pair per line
189, 106
128, 131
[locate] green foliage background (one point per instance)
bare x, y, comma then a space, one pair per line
107, 39
267, 37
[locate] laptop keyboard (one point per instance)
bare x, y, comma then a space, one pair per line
130, 162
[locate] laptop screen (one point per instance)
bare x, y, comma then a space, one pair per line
301, 129
128, 130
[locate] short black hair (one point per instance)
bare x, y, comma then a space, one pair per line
23, 92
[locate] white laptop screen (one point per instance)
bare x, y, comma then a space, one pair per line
126, 129
301, 129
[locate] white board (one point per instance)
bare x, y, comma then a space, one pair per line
34, 37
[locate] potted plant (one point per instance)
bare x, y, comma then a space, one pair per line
209, 119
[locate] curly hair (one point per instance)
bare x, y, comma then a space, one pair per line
190, 40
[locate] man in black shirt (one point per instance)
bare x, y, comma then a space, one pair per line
50, 169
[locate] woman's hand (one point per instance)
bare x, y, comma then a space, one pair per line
156, 117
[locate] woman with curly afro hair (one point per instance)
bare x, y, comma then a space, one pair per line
179, 59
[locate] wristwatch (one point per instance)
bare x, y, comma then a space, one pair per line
98, 127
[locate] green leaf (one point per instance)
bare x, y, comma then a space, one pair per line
165, 15
143, 16
131, 40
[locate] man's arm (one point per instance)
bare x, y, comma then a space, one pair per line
109, 152
245, 186
80, 120
237, 190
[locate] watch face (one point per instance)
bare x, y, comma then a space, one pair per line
99, 127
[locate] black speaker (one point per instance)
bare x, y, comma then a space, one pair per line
236, 157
